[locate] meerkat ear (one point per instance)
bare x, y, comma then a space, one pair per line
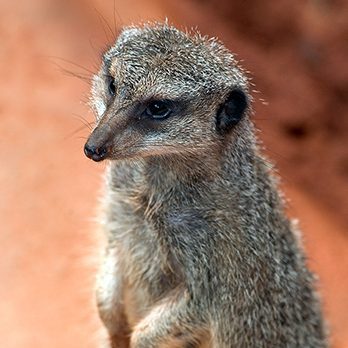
232, 110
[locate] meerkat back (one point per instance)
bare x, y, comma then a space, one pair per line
199, 251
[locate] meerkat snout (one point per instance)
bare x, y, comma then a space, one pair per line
96, 147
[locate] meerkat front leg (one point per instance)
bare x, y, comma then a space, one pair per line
170, 324
109, 300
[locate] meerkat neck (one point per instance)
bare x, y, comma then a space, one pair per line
176, 170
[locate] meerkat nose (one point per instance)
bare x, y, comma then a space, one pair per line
96, 147
95, 153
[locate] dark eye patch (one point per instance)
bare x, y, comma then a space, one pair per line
111, 85
158, 109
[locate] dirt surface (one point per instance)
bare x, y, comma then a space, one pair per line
48, 244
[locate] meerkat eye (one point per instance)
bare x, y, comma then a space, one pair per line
158, 109
111, 85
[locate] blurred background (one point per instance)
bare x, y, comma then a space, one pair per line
297, 54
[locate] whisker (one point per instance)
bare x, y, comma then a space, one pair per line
84, 121
86, 79
72, 63
103, 20
68, 136
114, 15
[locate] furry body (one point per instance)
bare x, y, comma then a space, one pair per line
200, 253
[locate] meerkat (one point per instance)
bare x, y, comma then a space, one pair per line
199, 250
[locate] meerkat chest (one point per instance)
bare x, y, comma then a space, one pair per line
143, 273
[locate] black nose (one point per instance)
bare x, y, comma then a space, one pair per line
95, 153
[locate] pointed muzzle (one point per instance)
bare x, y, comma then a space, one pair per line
98, 143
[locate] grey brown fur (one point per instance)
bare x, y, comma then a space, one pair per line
200, 253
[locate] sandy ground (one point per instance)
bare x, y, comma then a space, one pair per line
49, 190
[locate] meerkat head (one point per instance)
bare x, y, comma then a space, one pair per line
162, 91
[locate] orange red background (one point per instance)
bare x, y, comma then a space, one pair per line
296, 52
